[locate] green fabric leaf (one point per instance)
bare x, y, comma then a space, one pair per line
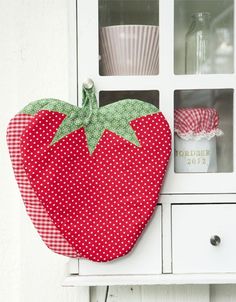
115, 117
51, 105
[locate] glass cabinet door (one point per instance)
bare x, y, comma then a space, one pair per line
128, 37
203, 126
179, 56
204, 37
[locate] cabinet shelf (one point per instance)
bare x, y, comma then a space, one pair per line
164, 279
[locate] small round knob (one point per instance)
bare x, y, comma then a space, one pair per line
88, 84
215, 240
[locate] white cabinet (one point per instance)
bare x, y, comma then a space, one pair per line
175, 247
203, 238
149, 247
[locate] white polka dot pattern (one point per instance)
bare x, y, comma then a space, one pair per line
100, 203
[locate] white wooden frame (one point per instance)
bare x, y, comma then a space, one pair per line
178, 188
166, 82
167, 277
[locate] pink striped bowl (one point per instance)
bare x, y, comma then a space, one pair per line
129, 50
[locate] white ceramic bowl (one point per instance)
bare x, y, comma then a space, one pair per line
129, 50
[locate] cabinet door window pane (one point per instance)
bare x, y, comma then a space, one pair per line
203, 131
128, 37
149, 96
204, 33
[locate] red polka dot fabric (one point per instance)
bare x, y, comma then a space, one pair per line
96, 204
38, 214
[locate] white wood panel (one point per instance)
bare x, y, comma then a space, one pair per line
98, 293
34, 56
72, 266
43, 71
148, 247
175, 293
116, 294
192, 228
87, 12
124, 294
181, 293
44, 52
150, 293
166, 238
83, 294
72, 49
9, 195
196, 198
223, 293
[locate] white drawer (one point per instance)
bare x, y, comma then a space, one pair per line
145, 258
192, 228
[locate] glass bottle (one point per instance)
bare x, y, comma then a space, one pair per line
197, 45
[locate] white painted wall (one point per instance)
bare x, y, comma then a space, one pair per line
34, 63
37, 59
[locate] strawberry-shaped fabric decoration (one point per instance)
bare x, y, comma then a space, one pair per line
90, 177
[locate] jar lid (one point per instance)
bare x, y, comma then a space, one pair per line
196, 123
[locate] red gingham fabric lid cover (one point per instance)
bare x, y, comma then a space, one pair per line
91, 204
196, 123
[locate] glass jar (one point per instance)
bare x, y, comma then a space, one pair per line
197, 45
196, 130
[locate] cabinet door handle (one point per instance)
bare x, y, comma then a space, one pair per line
215, 240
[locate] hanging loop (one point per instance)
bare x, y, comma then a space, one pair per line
89, 102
